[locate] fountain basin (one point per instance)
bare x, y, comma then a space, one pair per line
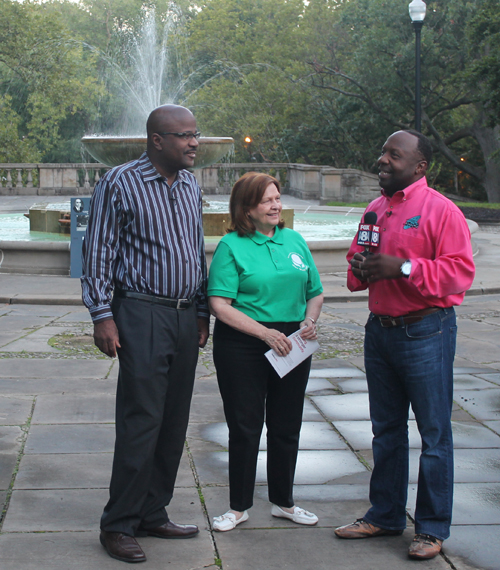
53, 258
35, 257
113, 151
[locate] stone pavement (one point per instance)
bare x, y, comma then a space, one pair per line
56, 442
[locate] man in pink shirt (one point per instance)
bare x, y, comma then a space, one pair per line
422, 268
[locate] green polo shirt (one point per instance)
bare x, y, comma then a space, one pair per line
270, 279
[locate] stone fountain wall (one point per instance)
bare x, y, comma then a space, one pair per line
307, 182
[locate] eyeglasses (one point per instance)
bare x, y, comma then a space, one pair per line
186, 136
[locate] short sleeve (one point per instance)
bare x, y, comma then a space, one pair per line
223, 279
314, 286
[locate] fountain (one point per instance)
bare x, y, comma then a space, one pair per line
113, 151
161, 75
155, 83
150, 89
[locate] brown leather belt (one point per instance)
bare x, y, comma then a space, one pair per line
408, 319
157, 299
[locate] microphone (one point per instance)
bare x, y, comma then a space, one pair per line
369, 233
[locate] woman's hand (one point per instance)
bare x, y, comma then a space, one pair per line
308, 330
278, 342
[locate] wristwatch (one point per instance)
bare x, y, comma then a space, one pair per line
406, 268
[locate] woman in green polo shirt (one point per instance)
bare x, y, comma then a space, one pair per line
263, 286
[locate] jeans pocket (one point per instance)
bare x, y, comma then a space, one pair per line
427, 328
371, 318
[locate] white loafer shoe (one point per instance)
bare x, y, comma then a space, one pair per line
228, 521
299, 516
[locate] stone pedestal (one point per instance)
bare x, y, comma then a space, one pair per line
58, 178
45, 220
216, 223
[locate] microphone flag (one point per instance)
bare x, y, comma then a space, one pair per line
369, 232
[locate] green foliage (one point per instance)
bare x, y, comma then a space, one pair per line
484, 49
258, 50
12, 147
366, 82
321, 82
45, 78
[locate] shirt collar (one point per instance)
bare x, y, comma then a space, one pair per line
150, 173
408, 192
260, 239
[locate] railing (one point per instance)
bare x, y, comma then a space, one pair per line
220, 178
304, 181
49, 179
18, 175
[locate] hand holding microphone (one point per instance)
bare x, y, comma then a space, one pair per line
370, 266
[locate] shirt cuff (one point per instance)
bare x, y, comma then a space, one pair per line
100, 313
203, 312
415, 277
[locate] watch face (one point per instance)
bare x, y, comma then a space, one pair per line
406, 268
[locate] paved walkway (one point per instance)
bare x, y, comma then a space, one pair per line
56, 442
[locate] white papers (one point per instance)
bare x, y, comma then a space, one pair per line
301, 349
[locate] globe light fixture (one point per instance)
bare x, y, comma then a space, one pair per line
417, 9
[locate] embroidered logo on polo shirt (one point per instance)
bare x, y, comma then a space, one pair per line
411, 222
298, 261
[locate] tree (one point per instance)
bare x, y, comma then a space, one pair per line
12, 147
46, 78
371, 65
254, 53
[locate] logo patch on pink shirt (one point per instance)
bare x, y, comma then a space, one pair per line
411, 222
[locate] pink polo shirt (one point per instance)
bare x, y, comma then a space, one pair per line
419, 224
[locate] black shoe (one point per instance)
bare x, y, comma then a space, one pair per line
170, 530
122, 547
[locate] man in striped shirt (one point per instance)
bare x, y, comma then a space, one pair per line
144, 283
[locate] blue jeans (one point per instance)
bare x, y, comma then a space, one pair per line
411, 364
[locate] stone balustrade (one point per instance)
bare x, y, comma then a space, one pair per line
305, 181
71, 179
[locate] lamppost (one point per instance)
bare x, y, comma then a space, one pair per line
417, 10
248, 145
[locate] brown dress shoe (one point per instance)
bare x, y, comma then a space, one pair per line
122, 547
363, 529
170, 530
424, 546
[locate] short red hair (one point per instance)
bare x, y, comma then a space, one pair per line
246, 195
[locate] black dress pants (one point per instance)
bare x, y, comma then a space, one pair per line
158, 356
251, 391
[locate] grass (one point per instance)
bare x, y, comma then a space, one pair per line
72, 343
490, 206
349, 204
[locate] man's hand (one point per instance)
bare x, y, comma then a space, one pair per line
356, 263
376, 267
106, 337
203, 331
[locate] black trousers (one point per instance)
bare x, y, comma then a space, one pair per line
251, 391
158, 356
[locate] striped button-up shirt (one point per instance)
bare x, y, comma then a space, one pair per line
144, 236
